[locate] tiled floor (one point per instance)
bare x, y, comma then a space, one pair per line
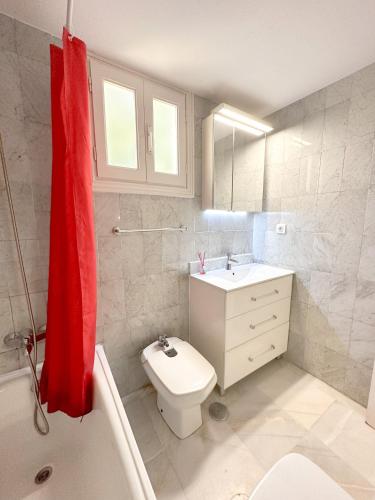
274, 411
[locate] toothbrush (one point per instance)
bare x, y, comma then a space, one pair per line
201, 262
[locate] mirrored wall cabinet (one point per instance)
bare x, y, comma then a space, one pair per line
233, 160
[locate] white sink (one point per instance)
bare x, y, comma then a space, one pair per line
241, 276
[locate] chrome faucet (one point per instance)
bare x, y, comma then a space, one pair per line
163, 341
230, 261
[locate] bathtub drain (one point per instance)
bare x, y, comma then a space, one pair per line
43, 475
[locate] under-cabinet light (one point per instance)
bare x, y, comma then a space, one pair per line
237, 124
242, 117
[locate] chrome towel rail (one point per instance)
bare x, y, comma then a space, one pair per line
117, 230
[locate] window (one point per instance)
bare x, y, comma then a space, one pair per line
142, 132
165, 125
120, 125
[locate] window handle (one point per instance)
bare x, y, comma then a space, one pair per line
149, 139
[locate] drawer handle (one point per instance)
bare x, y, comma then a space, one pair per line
272, 318
274, 292
271, 348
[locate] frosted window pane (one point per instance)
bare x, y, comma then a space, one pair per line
120, 126
165, 137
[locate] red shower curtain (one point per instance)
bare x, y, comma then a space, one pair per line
66, 381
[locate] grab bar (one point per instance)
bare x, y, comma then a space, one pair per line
117, 230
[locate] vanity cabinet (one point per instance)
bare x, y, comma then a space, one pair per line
238, 331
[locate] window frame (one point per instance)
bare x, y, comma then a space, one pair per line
160, 92
144, 180
101, 72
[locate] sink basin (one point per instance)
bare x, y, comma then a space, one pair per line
234, 275
241, 276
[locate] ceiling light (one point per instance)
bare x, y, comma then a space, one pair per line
236, 124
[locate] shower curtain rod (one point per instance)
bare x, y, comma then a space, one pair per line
69, 15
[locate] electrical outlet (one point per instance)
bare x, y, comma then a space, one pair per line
280, 228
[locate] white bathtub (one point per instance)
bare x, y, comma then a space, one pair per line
92, 460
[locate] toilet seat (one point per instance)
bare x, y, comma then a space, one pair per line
186, 373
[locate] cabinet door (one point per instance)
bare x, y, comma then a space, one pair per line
248, 171
223, 166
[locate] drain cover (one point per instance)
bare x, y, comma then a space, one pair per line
43, 475
218, 411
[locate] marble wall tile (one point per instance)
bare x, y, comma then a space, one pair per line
342, 294
107, 212
293, 142
312, 133
339, 91
296, 347
315, 102
298, 317
152, 256
275, 148
309, 174
335, 212
335, 126
323, 251
39, 152
20, 311
35, 84
132, 255
9, 361
134, 303
6, 321
15, 149
331, 167
358, 164
362, 343
7, 33
357, 382
11, 102
113, 300
367, 258
364, 302
364, 80
319, 291
32, 43
290, 180
110, 258
361, 120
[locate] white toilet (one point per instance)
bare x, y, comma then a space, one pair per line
183, 379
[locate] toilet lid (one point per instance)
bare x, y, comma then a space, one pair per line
295, 477
187, 372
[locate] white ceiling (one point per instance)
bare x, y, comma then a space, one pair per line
257, 54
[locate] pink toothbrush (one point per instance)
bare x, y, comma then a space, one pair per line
201, 262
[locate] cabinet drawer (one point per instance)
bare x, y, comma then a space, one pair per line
253, 297
247, 326
248, 357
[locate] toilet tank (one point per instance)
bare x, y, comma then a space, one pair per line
370, 418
